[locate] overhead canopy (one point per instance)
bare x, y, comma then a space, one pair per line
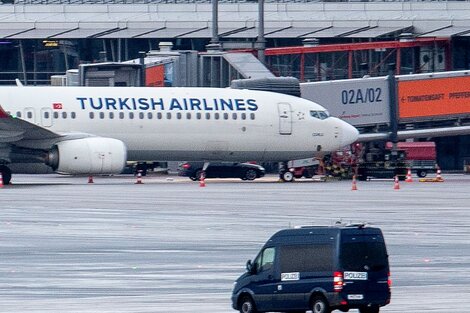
448, 32
252, 32
379, 31
207, 32
163, 19
337, 31
41, 33
8, 29
169, 32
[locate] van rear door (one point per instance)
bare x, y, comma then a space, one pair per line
364, 262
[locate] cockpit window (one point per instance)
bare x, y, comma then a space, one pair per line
320, 114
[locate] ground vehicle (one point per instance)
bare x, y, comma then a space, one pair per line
378, 161
303, 167
319, 269
419, 156
245, 171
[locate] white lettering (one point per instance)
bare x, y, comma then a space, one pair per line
290, 276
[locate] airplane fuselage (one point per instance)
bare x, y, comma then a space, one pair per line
184, 123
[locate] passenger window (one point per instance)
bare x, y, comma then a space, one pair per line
178, 115
216, 116
168, 115
198, 116
243, 116
208, 116
18, 114
234, 116
111, 115
252, 116
267, 259
121, 115
149, 115
73, 115
92, 115
29, 115
159, 115
141, 115
46, 115
131, 115
64, 115
188, 116
101, 115
225, 116
56, 115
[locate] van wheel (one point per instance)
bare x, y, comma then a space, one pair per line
247, 305
320, 305
373, 309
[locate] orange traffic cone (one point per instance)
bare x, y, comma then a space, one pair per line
90, 179
202, 180
139, 178
1, 180
438, 175
354, 184
409, 179
396, 186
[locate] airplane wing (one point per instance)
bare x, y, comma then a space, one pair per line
15, 129
417, 133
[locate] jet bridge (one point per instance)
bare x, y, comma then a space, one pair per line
219, 68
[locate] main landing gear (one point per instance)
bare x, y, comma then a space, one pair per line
6, 174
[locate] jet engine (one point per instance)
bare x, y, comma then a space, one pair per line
93, 155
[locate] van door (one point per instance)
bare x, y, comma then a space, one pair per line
285, 118
364, 262
263, 283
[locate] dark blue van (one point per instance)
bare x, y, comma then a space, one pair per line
319, 269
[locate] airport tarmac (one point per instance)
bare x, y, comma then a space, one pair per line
169, 245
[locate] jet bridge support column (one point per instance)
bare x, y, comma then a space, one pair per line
393, 92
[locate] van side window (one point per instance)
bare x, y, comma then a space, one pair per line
360, 256
306, 258
267, 259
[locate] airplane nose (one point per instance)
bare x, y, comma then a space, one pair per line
349, 134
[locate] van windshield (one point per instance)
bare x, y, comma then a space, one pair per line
364, 256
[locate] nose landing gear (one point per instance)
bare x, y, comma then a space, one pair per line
284, 173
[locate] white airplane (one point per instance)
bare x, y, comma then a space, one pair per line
95, 130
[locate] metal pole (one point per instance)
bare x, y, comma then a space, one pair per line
393, 91
142, 56
23, 63
35, 67
215, 22
261, 41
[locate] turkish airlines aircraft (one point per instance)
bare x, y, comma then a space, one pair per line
95, 130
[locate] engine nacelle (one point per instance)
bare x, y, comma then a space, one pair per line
93, 155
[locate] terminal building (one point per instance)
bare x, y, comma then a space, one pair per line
310, 40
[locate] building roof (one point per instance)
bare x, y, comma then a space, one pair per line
236, 20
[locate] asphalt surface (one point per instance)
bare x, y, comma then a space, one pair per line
169, 245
